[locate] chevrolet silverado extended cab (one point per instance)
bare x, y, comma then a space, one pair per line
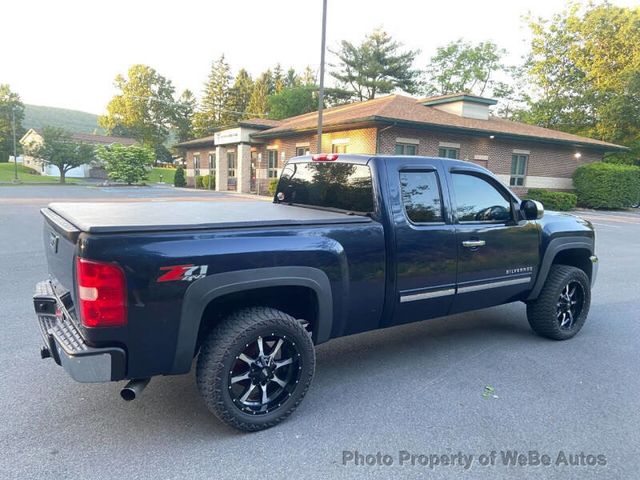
350, 243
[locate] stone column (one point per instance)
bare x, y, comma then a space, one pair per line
221, 169
243, 168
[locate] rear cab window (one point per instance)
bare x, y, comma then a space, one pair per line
421, 196
331, 185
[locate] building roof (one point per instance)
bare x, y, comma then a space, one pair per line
457, 97
92, 139
208, 140
411, 112
102, 139
256, 123
259, 122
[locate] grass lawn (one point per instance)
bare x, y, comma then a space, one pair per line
167, 175
27, 175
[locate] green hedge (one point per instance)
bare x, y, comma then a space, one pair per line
607, 185
205, 181
273, 184
560, 201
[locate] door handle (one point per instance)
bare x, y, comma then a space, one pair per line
473, 243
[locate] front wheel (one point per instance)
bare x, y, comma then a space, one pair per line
561, 309
255, 367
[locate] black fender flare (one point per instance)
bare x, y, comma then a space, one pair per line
555, 246
205, 290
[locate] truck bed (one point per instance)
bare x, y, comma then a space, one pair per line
162, 216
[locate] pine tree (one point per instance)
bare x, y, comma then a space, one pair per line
308, 76
184, 111
376, 66
214, 109
278, 79
258, 102
241, 95
292, 79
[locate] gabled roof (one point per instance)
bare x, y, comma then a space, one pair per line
90, 138
410, 112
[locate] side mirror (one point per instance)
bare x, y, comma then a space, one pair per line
531, 210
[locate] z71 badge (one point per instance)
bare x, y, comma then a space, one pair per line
187, 273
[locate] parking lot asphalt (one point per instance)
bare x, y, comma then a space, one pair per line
416, 388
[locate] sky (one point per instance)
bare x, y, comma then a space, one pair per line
66, 53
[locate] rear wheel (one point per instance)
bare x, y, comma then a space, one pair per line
561, 309
255, 367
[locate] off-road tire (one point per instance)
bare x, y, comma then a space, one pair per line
542, 312
226, 341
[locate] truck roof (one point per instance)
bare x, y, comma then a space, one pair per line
178, 215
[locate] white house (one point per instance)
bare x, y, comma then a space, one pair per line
89, 169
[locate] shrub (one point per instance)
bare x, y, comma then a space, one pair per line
561, 201
208, 181
273, 184
129, 164
198, 181
607, 185
178, 179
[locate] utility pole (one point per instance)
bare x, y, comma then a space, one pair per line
15, 148
321, 89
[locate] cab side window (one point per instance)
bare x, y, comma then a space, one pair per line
421, 196
477, 200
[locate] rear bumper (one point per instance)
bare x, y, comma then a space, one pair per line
64, 343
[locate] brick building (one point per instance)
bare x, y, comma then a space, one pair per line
246, 157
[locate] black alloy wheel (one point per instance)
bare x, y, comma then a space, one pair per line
561, 308
255, 366
570, 304
265, 374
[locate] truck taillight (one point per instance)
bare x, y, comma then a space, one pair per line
324, 157
102, 294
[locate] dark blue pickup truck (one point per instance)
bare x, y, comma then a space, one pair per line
350, 243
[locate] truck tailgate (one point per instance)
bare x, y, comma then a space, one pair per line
60, 238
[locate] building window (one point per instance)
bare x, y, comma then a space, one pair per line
445, 152
339, 148
196, 164
406, 149
212, 160
300, 151
272, 164
518, 170
231, 164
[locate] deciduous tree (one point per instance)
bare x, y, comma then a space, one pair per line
292, 101
585, 71
58, 148
143, 108
462, 66
10, 104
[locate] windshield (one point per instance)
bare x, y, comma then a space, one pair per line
342, 186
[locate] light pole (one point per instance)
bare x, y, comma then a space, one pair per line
321, 89
15, 148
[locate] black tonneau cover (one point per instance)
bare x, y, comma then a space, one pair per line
162, 216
